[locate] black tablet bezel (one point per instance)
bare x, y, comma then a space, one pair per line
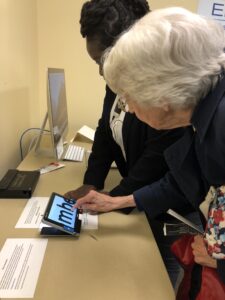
52, 231
55, 224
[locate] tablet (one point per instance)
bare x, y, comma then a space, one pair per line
51, 231
58, 214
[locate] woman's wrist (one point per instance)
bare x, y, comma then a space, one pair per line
125, 201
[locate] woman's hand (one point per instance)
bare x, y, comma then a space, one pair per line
201, 255
99, 202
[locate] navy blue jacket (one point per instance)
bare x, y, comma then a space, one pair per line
196, 162
144, 147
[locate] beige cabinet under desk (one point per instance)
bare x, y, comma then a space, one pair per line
118, 261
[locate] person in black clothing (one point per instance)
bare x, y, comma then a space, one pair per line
136, 148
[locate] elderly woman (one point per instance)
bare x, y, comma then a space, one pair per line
169, 67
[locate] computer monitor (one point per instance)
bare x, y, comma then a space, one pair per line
57, 111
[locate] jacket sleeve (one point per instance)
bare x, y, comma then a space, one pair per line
221, 147
161, 195
151, 164
101, 156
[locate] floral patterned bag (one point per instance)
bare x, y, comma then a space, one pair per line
215, 227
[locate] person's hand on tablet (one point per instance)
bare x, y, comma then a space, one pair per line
100, 202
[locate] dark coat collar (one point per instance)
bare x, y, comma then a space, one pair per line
204, 111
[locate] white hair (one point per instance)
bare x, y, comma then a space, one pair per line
169, 56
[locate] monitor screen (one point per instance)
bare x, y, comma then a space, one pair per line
57, 109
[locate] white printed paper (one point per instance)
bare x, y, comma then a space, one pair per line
51, 167
33, 212
20, 264
89, 221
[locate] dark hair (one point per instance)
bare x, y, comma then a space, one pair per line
107, 19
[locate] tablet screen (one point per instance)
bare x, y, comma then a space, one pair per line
61, 211
59, 214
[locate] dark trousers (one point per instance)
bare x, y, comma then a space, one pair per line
164, 243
